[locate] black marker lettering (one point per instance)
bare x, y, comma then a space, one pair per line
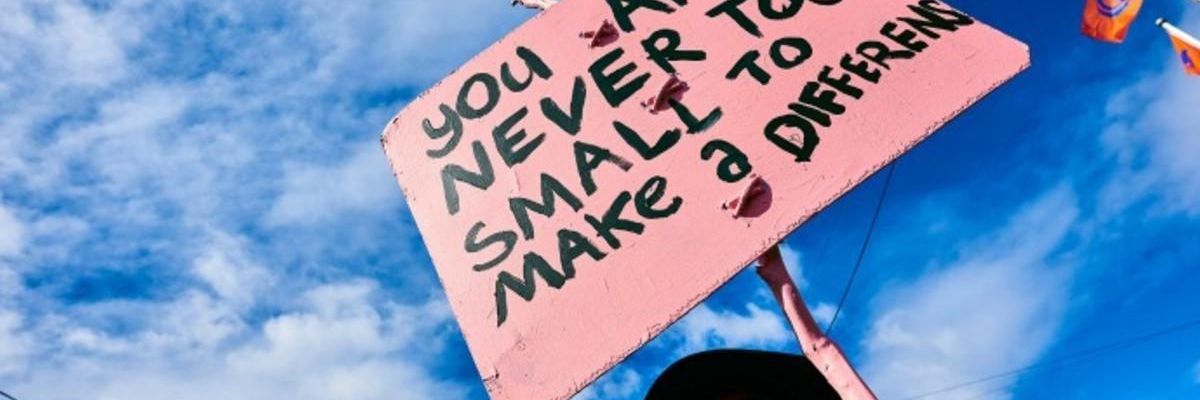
663, 55
814, 95
801, 46
813, 114
648, 152
957, 17
905, 38
730, 8
473, 245
481, 180
789, 10
861, 68
690, 121
588, 158
612, 221
841, 83
569, 123
533, 63
734, 167
623, 9
649, 195
507, 145
551, 188
811, 140
935, 19
452, 126
749, 63
492, 91
527, 287
879, 53
607, 83
572, 245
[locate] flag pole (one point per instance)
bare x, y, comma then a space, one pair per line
1178, 33
819, 348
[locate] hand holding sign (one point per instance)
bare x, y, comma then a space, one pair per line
569, 224
536, 4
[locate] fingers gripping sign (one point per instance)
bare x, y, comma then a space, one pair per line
535, 4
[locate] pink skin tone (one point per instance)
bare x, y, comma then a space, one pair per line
535, 4
820, 349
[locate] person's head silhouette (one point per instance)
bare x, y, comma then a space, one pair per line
742, 375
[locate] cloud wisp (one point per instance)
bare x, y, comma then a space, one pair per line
997, 307
1152, 136
195, 205
12, 233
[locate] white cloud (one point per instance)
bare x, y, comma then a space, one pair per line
339, 342
795, 265
823, 314
998, 307
56, 237
274, 121
256, 109
14, 343
75, 45
382, 43
1153, 137
314, 194
133, 139
11, 285
1196, 373
620, 383
189, 326
704, 328
12, 233
93, 55
227, 269
349, 348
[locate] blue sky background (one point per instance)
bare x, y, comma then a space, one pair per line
193, 205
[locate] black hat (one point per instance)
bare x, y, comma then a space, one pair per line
742, 375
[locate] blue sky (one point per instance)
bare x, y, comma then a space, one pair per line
193, 205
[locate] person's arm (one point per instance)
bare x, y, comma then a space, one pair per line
823, 352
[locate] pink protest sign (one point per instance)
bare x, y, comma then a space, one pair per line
586, 181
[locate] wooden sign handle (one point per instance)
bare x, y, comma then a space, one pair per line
820, 349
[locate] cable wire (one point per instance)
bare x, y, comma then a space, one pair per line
887, 183
1076, 356
7, 396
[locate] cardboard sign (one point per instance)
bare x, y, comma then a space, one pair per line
594, 175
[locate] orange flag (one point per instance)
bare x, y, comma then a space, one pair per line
1187, 48
1109, 20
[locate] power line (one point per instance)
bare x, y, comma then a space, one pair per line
7, 396
1076, 356
887, 183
